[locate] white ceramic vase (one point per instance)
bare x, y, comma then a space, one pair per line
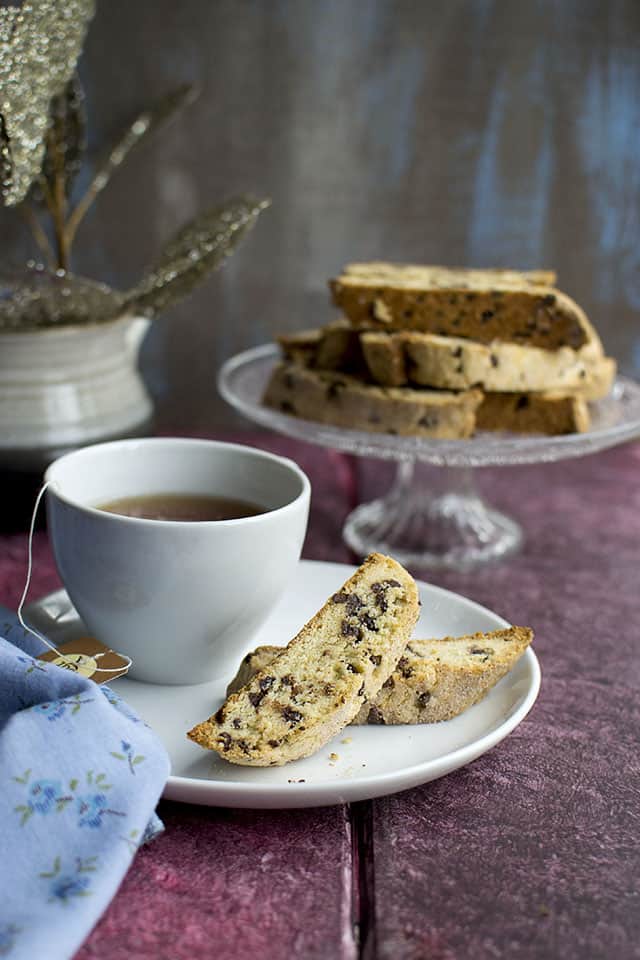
62, 388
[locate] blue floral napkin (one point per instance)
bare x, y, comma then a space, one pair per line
80, 776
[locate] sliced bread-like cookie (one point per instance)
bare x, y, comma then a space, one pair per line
319, 681
434, 679
551, 413
346, 401
481, 305
454, 363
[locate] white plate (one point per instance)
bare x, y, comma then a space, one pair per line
372, 761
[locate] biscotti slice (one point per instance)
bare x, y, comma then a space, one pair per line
549, 413
334, 347
454, 363
451, 303
300, 347
439, 679
318, 683
377, 268
434, 679
346, 401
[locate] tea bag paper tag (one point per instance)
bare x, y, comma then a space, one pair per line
90, 658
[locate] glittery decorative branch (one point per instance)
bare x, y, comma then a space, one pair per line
40, 42
195, 251
67, 135
135, 134
42, 142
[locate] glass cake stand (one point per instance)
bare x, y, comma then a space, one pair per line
442, 522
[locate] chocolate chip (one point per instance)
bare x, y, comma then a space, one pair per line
291, 716
351, 668
494, 360
483, 652
575, 336
354, 603
351, 630
375, 716
522, 402
236, 723
549, 300
225, 740
361, 690
389, 684
340, 598
428, 421
392, 583
219, 716
486, 315
376, 659
423, 699
405, 669
287, 680
367, 621
244, 746
274, 743
333, 390
457, 352
328, 689
460, 368
265, 685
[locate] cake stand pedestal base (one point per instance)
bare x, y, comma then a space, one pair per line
439, 523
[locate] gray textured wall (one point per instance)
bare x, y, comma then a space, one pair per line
479, 132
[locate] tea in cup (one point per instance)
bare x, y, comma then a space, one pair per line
174, 551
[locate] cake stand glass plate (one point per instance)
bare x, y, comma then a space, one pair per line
442, 521
372, 761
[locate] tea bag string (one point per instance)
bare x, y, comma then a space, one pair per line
73, 661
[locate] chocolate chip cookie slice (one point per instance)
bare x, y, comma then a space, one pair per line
319, 682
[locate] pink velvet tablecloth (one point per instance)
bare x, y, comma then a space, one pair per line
529, 852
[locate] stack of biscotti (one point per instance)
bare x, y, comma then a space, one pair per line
439, 352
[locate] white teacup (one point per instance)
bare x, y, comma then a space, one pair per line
182, 599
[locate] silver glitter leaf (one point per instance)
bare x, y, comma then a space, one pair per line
66, 141
41, 298
192, 254
40, 43
135, 134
